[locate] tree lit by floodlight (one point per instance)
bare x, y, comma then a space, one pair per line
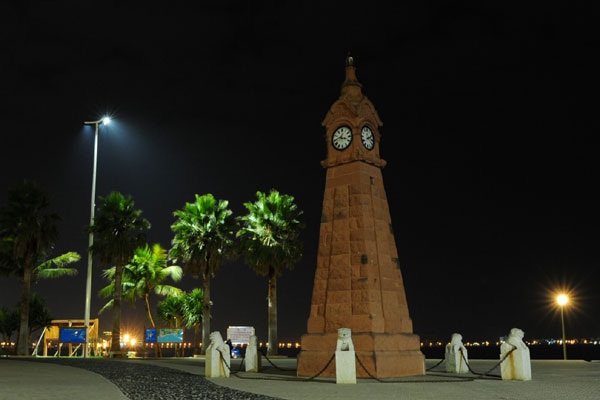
105, 120
562, 299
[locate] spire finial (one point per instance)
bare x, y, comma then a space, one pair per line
349, 60
351, 80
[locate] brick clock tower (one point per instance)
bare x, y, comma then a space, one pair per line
358, 283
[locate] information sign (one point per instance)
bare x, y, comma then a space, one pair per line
150, 336
71, 335
240, 334
167, 335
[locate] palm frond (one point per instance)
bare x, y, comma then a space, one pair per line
107, 306
52, 273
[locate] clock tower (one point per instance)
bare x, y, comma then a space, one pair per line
358, 283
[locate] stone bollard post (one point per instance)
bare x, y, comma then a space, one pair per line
252, 358
455, 363
517, 366
217, 354
345, 362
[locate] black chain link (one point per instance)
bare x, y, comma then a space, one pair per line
453, 379
487, 373
273, 364
439, 363
235, 373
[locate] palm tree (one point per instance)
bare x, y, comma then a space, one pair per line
144, 275
204, 241
192, 313
39, 315
269, 241
9, 322
170, 311
119, 229
28, 230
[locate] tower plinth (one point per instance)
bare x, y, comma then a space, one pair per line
358, 282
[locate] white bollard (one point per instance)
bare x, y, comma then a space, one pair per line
252, 358
517, 366
345, 363
455, 362
217, 354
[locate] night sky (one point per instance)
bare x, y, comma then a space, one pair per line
489, 116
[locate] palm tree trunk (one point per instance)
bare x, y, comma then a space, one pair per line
115, 345
196, 341
158, 352
272, 349
22, 338
206, 312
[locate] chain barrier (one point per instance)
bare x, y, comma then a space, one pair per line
273, 364
436, 365
487, 373
370, 375
447, 380
235, 373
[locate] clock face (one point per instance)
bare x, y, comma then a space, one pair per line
368, 140
341, 138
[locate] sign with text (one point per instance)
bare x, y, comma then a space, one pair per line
150, 336
240, 334
168, 335
71, 335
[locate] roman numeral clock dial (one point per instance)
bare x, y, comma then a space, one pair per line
341, 138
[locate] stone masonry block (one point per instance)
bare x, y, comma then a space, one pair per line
336, 297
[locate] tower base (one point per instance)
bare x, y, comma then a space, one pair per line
384, 355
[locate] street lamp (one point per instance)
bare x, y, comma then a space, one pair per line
88, 284
562, 300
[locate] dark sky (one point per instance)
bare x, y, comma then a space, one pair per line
489, 115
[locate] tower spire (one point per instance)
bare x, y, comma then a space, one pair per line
351, 86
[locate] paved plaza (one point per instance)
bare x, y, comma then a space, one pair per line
45, 379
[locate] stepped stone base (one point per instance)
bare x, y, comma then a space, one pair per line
385, 355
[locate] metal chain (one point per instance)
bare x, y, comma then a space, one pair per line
235, 373
441, 361
453, 379
487, 373
273, 364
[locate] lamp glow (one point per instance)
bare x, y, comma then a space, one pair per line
562, 299
106, 120
126, 339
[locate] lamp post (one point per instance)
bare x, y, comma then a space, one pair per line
562, 300
88, 284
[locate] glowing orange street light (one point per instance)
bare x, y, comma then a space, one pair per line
562, 300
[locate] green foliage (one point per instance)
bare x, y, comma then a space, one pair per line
9, 322
203, 235
143, 275
55, 267
170, 311
26, 224
269, 236
118, 229
39, 315
192, 307
149, 269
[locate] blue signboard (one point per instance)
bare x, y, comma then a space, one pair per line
71, 335
166, 335
150, 335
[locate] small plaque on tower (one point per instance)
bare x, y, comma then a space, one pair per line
358, 283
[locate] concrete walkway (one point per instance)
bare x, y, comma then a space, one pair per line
551, 380
34, 380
